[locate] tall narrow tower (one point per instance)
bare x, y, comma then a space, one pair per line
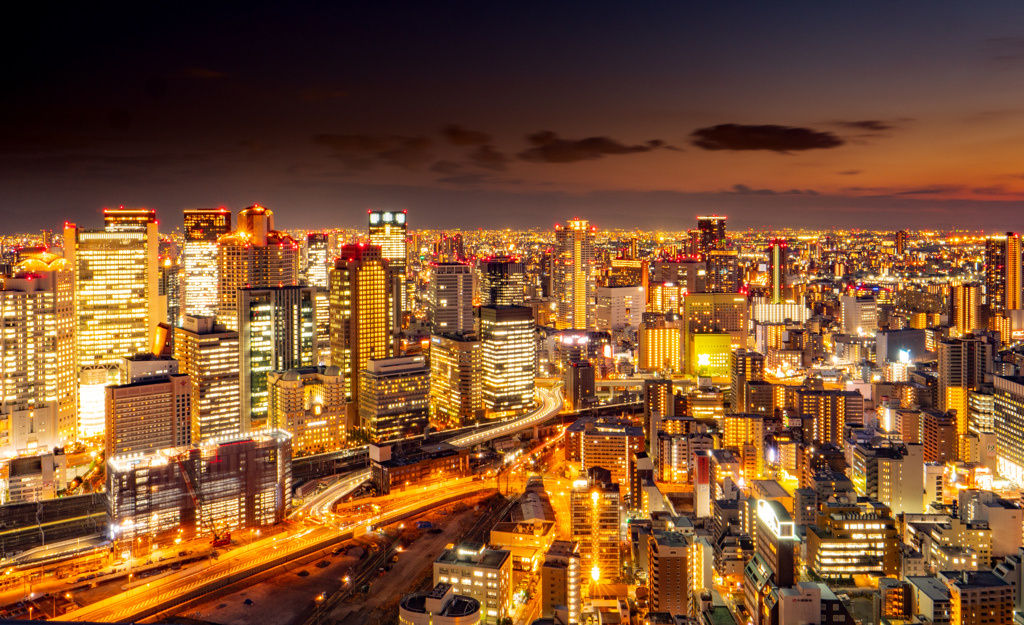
575, 276
203, 226
777, 268
388, 232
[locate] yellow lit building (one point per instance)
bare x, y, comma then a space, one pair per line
208, 353
309, 404
508, 353
203, 226
710, 354
456, 391
660, 344
575, 276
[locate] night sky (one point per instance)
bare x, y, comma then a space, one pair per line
487, 114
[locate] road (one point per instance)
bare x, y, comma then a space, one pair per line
127, 605
318, 507
551, 404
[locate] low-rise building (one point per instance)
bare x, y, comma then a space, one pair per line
853, 539
484, 574
526, 541
560, 578
439, 606
429, 465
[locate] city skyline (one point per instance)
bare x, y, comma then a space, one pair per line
865, 116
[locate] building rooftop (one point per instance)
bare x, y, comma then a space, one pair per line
931, 587
967, 580
474, 554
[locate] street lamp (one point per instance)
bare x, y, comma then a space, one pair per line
319, 600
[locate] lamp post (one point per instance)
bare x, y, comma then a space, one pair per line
319, 600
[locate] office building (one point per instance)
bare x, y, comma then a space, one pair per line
773, 564
575, 275
939, 436
317, 263
208, 354
450, 298
387, 230
963, 365
38, 381
508, 352
361, 325
1002, 273
238, 483
745, 366
393, 397
716, 312
308, 404
481, 573
427, 466
502, 281
723, 272
627, 272
979, 598
619, 307
276, 332
851, 539
711, 234
606, 445
967, 308
149, 414
116, 302
595, 526
859, 314
578, 381
690, 273
36, 478
560, 579
665, 297
829, 412
456, 380
203, 227
660, 347
255, 256
1009, 424
890, 473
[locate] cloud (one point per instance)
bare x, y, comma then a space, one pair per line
767, 137
548, 147
447, 168
870, 125
458, 135
850, 172
1006, 49
932, 190
742, 189
488, 157
363, 152
320, 95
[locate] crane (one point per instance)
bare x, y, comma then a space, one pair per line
218, 539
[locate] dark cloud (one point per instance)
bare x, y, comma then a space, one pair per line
363, 152
1006, 49
766, 137
850, 172
320, 95
488, 157
870, 125
742, 189
932, 190
548, 147
458, 135
447, 168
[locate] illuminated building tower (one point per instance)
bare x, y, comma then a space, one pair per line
716, 312
659, 403
689, 273
449, 249
169, 284
723, 274
746, 366
711, 234
208, 353
116, 301
596, 517
316, 259
203, 226
1009, 421
773, 564
627, 272
560, 580
575, 266
979, 597
669, 577
148, 413
901, 242
37, 356
388, 232
450, 298
963, 365
1002, 281
660, 343
393, 397
778, 267
254, 256
276, 332
830, 411
859, 314
665, 297
456, 392
360, 315
508, 352
502, 281
967, 307
309, 404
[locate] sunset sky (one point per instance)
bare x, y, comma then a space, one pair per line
872, 115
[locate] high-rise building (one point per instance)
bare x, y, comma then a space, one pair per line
255, 256
148, 414
450, 298
208, 353
716, 312
773, 564
502, 281
480, 573
595, 525
203, 227
848, 539
456, 384
276, 332
309, 404
963, 365
859, 314
606, 445
746, 366
38, 385
575, 275
1002, 273
170, 282
1009, 422
508, 354
316, 259
619, 307
830, 411
361, 323
560, 581
901, 242
393, 397
723, 272
689, 273
967, 307
627, 272
665, 297
778, 267
660, 343
711, 233
116, 301
387, 231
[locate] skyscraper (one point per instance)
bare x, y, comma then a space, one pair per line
148, 414
502, 281
203, 226
967, 307
1009, 420
309, 404
388, 232
747, 366
901, 242
116, 301
393, 397
777, 268
575, 275
711, 234
1002, 273
37, 355
963, 365
450, 298
316, 259
208, 353
723, 272
361, 323
455, 379
509, 350
276, 332
253, 256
